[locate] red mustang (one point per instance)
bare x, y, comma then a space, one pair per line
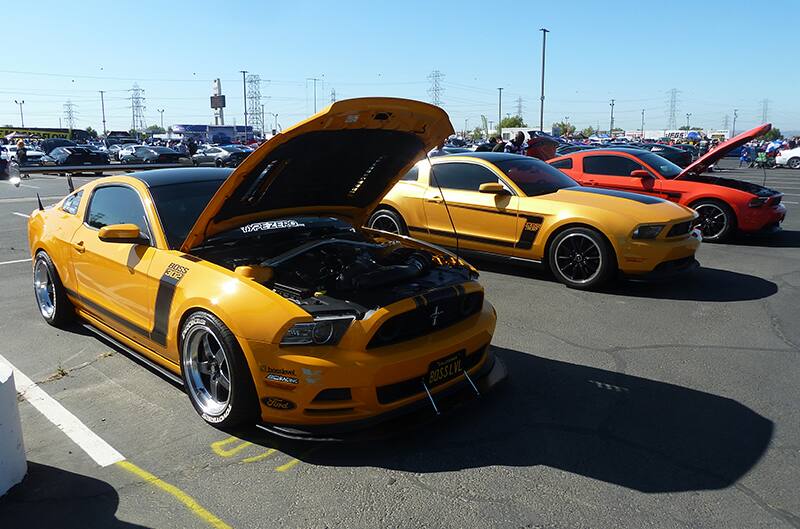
724, 205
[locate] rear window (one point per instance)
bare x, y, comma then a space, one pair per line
535, 177
179, 205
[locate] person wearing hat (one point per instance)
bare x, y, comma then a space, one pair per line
22, 154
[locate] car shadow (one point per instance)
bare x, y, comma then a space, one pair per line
703, 284
52, 497
622, 429
781, 239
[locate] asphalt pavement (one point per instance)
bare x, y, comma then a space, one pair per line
658, 405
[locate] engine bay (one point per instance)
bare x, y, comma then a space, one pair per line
325, 265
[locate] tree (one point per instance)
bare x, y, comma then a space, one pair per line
477, 133
91, 132
155, 129
773, 134
565, 128
512, 122
588, 131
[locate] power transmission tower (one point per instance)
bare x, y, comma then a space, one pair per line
672, 116
436, 90
254, 102
764, 110
519, 106
333, 95
137, 108
69, 114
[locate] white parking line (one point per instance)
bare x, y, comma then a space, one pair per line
787, 202
14, 262
95, 447
20, 214
21, 185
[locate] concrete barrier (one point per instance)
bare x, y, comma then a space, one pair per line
13, 465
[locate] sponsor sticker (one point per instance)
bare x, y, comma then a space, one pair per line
274, 377
271, 225
279, 403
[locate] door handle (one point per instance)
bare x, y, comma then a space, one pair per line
79, 246
436, 199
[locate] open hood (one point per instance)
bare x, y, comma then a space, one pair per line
702, 164
339, 162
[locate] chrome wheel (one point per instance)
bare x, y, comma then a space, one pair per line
385, 222
794, 163
44, 288
207, 370
713, 220
578, 258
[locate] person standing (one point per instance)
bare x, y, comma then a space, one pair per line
517, 145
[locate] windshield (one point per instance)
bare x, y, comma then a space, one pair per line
179, 205
664, 167
534, 177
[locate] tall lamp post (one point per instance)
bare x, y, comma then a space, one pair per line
688, 115
642, 124
611, 125
499, 112
735, 115
541, 105
276, 120
244, 102
21, 118
161, 111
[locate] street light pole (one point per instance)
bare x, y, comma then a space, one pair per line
500, 112
611, 126
688, 115
541, 105
244, 103
466, 120
735, 115
161, 111
21, 117
103, 110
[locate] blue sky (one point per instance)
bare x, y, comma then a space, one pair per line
720, 56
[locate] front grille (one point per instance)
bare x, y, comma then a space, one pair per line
333, 394
436, 312
682, 228
412, 386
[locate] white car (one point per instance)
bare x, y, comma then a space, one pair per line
129, 149
9, 152
789, 158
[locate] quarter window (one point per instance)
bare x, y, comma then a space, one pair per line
566, 163
72, 202
465, 176
610, 165
412, 175
116, 205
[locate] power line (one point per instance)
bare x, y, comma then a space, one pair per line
254, 102
436, 90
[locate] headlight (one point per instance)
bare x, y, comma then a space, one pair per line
649, 231
326, 330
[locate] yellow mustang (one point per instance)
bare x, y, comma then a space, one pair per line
520, 207
260, 288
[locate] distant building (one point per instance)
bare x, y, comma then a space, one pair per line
214, 133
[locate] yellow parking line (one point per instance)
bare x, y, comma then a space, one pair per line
217, 446
181, 496
259, 457
287, 466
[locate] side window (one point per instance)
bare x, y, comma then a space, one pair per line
610, 165
71, 203
116, 205
566, 163
465, 176
412, 175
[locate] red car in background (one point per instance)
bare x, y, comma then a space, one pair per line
725, 205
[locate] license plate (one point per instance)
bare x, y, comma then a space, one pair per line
445, 369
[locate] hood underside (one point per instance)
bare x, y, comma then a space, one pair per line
702, 164
748, 187
339, 162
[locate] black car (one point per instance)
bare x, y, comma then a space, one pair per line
146, 154
695, 152
75, 155
566, 148
677, 156
47, 146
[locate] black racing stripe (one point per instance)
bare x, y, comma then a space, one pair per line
103, 312
419, 301
164, 296
529, 232
475, 238
643, 199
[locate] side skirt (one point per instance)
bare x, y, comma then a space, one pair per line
107, 335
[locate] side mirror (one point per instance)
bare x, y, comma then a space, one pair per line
494, 188
641, 173
122, 233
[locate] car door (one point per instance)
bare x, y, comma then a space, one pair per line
113, 278
485, 222
613, 171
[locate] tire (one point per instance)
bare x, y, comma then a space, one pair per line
388, 220
194, 162
218, 163
49, 292
210, 358
717, 221
794, 163
581, 258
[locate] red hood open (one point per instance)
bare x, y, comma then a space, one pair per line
702, 164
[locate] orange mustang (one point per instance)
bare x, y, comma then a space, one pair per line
260, 288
